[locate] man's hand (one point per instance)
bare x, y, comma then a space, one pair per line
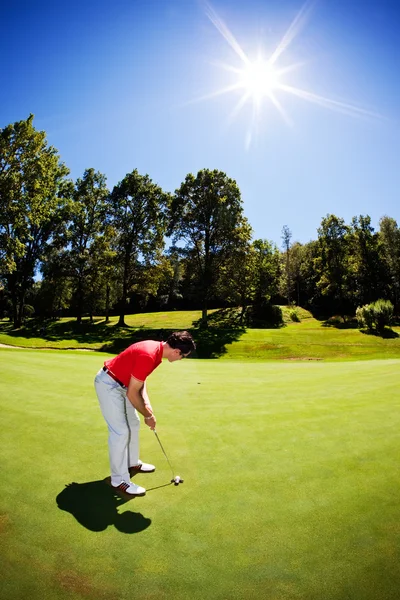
150, 422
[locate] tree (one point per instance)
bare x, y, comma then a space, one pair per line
54, 292
365, 272
139, 216
207, 214
102, 279
267, 271
87, 221
286, 237
238, 273
32, 181
176, 271
309, 293
332, 265
389, 236
296, 263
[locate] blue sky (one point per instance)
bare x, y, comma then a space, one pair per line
118, 85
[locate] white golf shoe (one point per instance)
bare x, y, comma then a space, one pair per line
130, 488
141, 467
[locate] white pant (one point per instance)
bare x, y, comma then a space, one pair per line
123, 426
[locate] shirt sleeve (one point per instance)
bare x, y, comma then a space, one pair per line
142, 368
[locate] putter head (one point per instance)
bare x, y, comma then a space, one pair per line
176, 480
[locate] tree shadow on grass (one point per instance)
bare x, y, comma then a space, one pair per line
339, 322
223, 328
94, 505
386, 334
87, 332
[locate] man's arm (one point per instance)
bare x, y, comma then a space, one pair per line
137, 396
146, 397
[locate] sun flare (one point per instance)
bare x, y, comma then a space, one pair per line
260, 80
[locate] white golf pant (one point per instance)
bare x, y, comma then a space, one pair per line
123, 426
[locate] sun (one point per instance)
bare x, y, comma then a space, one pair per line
258, 79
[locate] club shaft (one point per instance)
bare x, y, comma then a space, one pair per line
165, 454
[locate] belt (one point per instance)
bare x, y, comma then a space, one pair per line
113, 377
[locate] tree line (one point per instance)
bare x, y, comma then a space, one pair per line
136, 247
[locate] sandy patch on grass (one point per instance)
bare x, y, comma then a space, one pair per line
302, 358
8, 346
46, 348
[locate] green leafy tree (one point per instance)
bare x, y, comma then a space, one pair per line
238, 273
297, 257
139, 216
286, 237
207, 215
365, 271
32, 190
176, 272
389, 237
102, 280
267, 270
332, 265
309, 293
54, 292
88, 211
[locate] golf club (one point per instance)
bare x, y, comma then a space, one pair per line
176, 480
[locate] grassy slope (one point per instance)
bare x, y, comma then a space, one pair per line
308, 340
291, 483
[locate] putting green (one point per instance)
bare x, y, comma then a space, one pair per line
291, 483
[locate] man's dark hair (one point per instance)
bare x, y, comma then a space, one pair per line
182, 340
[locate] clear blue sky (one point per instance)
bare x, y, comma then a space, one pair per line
116, 86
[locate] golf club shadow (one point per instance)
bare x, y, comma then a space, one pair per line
159, 486
94, 505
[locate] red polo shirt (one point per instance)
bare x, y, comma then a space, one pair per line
138, 360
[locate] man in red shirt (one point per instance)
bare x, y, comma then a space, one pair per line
121, 389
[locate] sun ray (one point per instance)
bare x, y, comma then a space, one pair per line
344, 107
224, 31
281, 110
242, 101
221, 92
294, 29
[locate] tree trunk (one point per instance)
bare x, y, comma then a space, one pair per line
21, 310
204, 320
15, 313
107, 315
121, 321
79, 302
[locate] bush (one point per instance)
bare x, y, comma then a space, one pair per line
293, 314
383, 310
377, 315
265, 315
365, 317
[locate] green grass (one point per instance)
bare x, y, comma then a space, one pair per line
312, 340
291, 483
309, 339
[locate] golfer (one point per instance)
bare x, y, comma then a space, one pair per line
121, 389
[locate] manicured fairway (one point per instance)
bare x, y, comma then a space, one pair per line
291, 483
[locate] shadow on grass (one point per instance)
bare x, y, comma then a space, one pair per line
223, 328
56, 331
386, 334
95, 506
339, 323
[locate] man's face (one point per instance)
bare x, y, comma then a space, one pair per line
177, 354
